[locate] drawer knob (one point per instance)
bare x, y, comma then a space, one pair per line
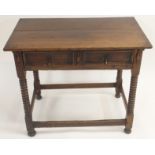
106, 61
78, 58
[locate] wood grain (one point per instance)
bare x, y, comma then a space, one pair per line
77, 34
88, 43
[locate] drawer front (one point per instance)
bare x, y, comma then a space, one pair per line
109, 57
62, 58
46, 59
78, 60
119, 57
36, 59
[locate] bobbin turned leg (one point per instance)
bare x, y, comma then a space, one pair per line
37, 85
24, 91
137, 56
118, 84
26, 102
131, 103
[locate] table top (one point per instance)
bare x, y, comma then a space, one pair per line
56, 34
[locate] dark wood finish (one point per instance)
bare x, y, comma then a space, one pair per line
132, 93
80, 67
79, 85
78, 34
119, 83
24, 91
37, 85
33, 101
106, 57
73, 44
78, 59
80, 123
124, 99
131, 102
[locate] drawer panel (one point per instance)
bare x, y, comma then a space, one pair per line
110, 57
119, 57
62, 58
78, 60
36, 59
93, 57
45, 59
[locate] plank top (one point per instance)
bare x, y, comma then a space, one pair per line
43, 34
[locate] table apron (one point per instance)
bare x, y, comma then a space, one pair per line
78, 60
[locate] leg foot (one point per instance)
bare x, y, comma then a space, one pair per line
38, 97
32, 133
127, 131
117, 95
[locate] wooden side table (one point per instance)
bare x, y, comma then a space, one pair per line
77, 44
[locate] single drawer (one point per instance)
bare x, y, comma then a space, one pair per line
36, 58
46, 59
62, 58
106, 57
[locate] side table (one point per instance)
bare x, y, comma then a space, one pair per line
77, 44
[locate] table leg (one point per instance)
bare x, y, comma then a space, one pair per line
27, 109
118, 83
133, 86
131, 103
24, 91
37, 84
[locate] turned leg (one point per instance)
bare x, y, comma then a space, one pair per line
37, 85
27, 109
118, 84
137, 57
131, 103
24, 91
